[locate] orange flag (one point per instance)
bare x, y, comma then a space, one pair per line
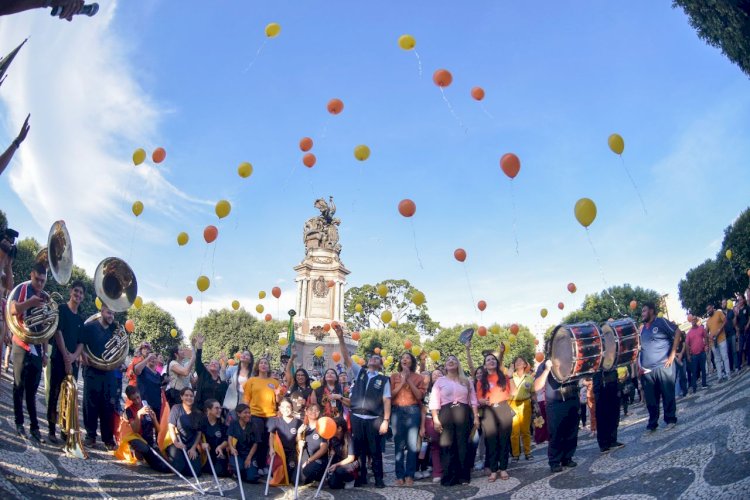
279, 474
123, 451
163, 439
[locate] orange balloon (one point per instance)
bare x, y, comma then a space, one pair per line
237, 355
268, 317
129, 326
326, 427
276, 292
334, 324
407, 208
356, 336
482, 331
510, 164
572, 287
305, 144
477, 93
376, 350
231, 362
442, 78
407, 344
158, 155
210, 234
560, 306
633, 305
460, 254
536, 341
335, 106
309, 160
189, 299
331, 283
336, 357
514, 329
539, 357
482, 305
327, 327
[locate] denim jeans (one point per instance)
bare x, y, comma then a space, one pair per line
681, 378
721, 358
698, 364
732, 352
405, 424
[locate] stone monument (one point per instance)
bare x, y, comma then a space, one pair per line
321, 277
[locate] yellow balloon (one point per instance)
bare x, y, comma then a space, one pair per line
730, 304
318, 352
259, 308
386, 316
203, 283
235, 304
139, 156
315, 384
543, 312
407, 42
495, 329
137, 208
283, 341
616, 144
138, 302
382, 290
358, 308
98, 303
173, 333
261, 295
384, 354
361, 152
660, 315
418, 298
435, 356
182, 239
393, 324
416, 350
389, 360
728, 254
585, 211
273, 30
245, 170
355, 358
223, 207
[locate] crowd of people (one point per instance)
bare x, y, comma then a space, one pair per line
185, 414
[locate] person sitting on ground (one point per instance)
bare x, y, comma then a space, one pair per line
243, 445
284, 428
344, 465
315, 445
184, 430
215, 438
136, 443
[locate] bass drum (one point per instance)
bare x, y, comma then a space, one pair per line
621, 343
575, 351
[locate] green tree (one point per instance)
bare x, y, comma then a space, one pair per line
613, 302
153, 325
724, 24
721, 277
231, 331
389, 339
398, 302
446, 343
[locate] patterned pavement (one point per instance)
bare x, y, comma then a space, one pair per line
707, 456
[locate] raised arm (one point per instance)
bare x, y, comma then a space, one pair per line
288, 379
541, 379
342, 346
469, 361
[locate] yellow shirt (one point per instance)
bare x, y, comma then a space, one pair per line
524, 386
713, 322
260, 396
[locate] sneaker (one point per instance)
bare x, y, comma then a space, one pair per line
617, 445
36, 435
20, 431
418, 475
529, 457
556, 468
349, 485
379, 484
110, 446
570, 463
89, 442
671, 426
650, 430
437, 479
516, 459
52, 438
604, 450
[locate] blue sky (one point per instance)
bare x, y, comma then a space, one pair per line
557, 82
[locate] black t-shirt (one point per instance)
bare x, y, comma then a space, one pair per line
215, 434
341, 449
147, 424
729, 326
299, 398
287, 430
188, 424
71, 326
743, 315
245, 438
314, 441
555, 391
96, 337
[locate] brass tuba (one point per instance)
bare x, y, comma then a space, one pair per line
39, 324
116, 286
67, 419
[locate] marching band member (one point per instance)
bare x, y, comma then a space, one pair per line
66, 350
28, 359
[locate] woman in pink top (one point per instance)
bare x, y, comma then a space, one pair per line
452, 403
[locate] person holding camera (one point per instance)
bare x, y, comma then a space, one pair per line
148, 382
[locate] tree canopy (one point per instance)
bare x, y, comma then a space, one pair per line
613, 302
724, 24
398, 301
153, 325
721, 277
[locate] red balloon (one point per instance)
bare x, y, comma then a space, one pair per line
335, 106
633, 305
158, 155
510, 164
129, 326
539, 357
407, 208
514, 329
268, 317
210, 234
482, 331
482, 305
442, 78
327, 327
560, 306
460, 254
331, 283
189, 299
477, 93
309, 160
572, 287
326, 427
276, 292
305, 144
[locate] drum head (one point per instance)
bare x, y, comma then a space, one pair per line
609, 348
562, 354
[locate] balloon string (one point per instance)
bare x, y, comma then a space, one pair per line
468, 282
419, 63
325, 128
450, 108
359, 188
414, 234
203, 262
513, 204
601, 273
486, 112
635, 186
260, 49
